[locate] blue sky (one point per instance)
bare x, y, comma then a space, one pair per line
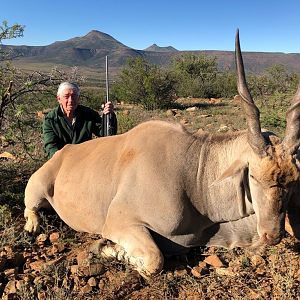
270, 26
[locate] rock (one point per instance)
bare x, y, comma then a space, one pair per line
9, 251
20, 284
92, 270
215, 100
54, 262
226, 272
200, 270
57, 248
223, 128
10, 289
74, 269
273, 258
83, 258
37, 265
11, 272
41, 239
54, 237
42, 295
7, 155
171, 113
195, 272
257, 260
86, 289
192, 109
92, 281
101, 284
41, 265
180, 273
214, 261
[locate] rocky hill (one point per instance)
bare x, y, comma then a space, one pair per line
90, 51
157, 48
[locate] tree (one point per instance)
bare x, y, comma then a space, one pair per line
195, 74
23, 93
6, 32
9, 32
145, 84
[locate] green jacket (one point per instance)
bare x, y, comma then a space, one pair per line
57, 132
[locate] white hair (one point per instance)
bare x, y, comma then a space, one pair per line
68, 85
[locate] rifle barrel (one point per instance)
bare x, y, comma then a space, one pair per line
106, 78
107, 117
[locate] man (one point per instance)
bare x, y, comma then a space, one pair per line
72, 123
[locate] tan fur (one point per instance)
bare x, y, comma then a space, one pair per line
278, 169
127, 156
151, 191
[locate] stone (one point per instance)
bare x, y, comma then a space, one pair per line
10, 288
92, 270
226, 272
83, 258
37, 265
7, 155
257, 260
41, 239
214, 261
86, 289
54, 237
180, 273
92, 281
192, 109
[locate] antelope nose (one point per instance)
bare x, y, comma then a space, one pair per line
271, 239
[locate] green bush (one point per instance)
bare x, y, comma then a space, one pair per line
145, 84
125, 122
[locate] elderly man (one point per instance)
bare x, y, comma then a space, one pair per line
72, 123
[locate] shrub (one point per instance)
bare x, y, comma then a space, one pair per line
145, 84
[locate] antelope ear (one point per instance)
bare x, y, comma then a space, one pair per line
234, 169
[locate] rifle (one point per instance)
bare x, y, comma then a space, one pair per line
107, 118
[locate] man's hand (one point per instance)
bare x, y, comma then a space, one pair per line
108, 108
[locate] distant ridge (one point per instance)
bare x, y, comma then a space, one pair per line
89, 52
156, 48
93, 40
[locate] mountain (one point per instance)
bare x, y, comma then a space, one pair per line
89, 52
156, 48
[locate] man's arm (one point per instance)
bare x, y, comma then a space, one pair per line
50, 139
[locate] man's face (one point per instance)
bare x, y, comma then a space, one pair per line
69, 101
